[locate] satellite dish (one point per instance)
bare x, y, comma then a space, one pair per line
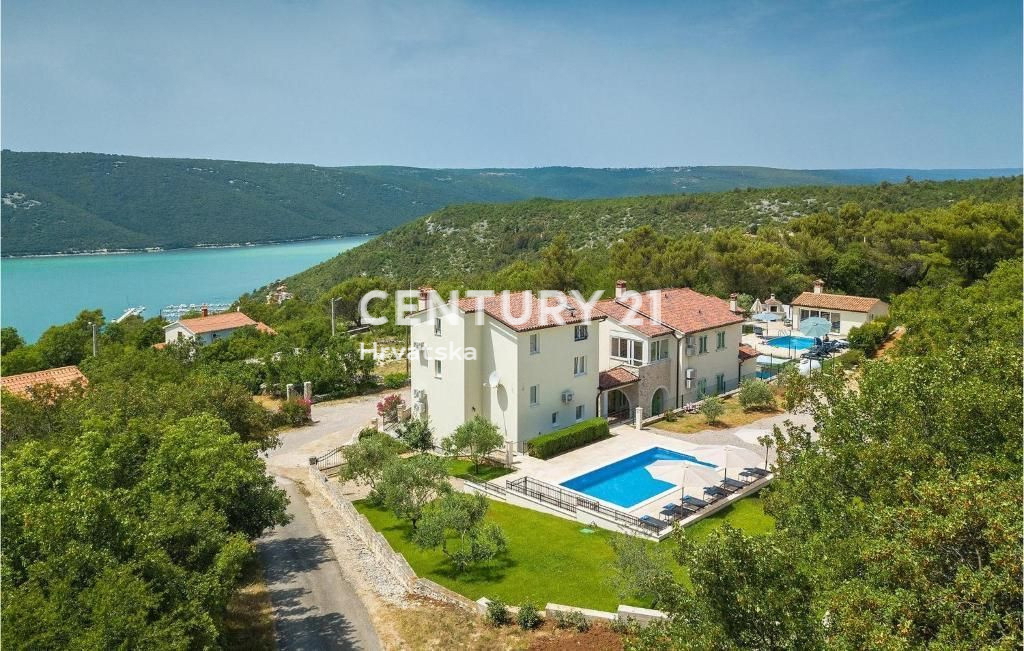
493, 380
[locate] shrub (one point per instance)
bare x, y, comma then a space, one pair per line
712, 408
367, 432
569, 438
294, 412
395, 380
497, 613
416, 434
572, 619
756, 394
528, 617
849, 359
390, 407
796, 388
868, 337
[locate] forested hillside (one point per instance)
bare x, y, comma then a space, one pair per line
462, 243
82, 202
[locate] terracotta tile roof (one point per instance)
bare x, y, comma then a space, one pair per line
22, 383
222, 321
836, 302
616, 377
747, 352
681, 309
521, 303
643, 324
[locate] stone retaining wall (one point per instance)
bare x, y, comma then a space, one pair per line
391, 560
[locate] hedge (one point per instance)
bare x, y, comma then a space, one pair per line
869, 337
569, 438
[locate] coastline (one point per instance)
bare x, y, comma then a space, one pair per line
195, 247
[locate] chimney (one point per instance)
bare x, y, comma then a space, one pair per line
424, 299
205, 310
620, 288
732, 302
819, 285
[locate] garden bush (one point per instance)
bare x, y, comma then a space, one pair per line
569, 438
868, 337
395, 380
293, 413
572, 619
849, 359
712, 408
756, 394
528, 618
497, 613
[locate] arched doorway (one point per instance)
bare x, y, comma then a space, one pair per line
658, 402
618, 404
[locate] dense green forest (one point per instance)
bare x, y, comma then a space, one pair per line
780, 237
898, 522
82, 202
130, 505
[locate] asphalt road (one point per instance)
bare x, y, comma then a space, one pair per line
314, 606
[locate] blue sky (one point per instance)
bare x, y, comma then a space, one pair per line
449, 83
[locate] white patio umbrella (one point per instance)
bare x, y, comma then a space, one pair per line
685, 474
729, 456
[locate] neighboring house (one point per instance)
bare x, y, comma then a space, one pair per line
844, 312
279, 295
664, 348
526, 377
22, 385
211, 327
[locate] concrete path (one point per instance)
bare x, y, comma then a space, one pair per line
334, 424
314, 606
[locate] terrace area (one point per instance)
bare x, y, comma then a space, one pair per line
625, 482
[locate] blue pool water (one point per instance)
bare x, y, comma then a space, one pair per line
627, 482
789, 341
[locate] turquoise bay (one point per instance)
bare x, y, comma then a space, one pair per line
39, 292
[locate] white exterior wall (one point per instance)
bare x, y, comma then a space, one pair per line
459, 395
847, 320
552, 371
708, 365
447, 396
173, 331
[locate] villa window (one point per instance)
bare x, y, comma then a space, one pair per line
702, 343
437, 326
580, 333
702, 386
579, 365
579, 412
534, 344
629, 350
720, 383
535, 395
659, 350
554, 418
721, 340
437, 368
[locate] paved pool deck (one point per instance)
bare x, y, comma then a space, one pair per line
627, 441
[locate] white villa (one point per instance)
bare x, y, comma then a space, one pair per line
664, 348
844, 312
656, 351
211, 327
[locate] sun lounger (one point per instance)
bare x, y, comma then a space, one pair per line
651, 520
695, 502
734, 484
756, 473
716, 493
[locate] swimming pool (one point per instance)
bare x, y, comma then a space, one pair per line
626, 482
790, 341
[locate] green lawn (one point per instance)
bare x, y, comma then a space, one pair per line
549, 559
463, 469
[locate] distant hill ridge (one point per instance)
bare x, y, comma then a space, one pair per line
67, 203
459, 242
